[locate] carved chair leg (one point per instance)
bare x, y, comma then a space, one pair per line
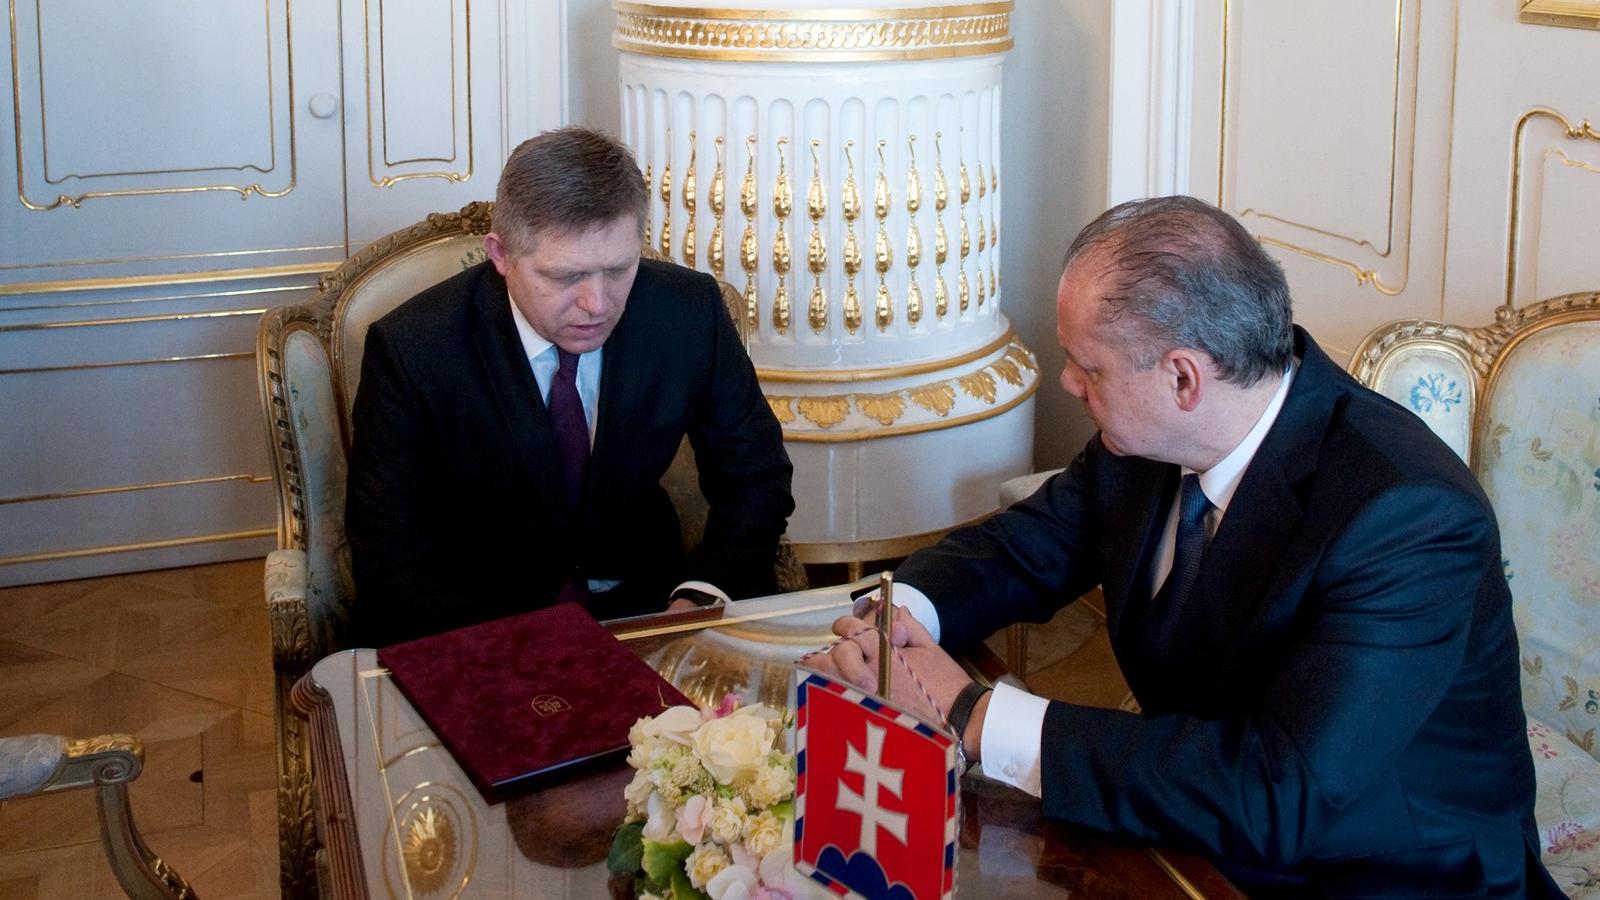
142, 874
297, 837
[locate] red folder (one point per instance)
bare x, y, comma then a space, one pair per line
523, 701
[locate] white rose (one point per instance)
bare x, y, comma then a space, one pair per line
674, 724
661, 820
763, 834
772, 784
733, 883
638, 793
733, 748
704, 863
727, 820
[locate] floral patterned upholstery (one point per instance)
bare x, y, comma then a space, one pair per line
1531, 384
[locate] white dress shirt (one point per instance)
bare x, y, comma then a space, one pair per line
1014, 724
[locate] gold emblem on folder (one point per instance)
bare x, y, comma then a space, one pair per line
547, 705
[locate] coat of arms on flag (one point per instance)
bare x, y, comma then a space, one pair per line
875, 795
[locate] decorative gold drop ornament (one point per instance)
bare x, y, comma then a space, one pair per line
749, 254
429, 850
983, 233
666, 201
717, 199
913, 236
883, 254
963, 288
941, 240
689, 201
649, 184
850, 205
817, 248
782, 206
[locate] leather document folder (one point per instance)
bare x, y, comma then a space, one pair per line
524, 701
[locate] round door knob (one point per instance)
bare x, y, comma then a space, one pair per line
324, 105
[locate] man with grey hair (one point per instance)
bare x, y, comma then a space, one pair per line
513, 422
1303, 587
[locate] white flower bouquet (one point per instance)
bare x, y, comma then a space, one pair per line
710, 807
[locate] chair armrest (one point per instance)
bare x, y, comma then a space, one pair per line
28, 762
1014, 489
285, 584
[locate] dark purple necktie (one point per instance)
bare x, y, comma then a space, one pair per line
571, 430
1188, 546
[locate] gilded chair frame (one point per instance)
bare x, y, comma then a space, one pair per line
1483, 351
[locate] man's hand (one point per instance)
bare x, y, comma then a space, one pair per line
856, 660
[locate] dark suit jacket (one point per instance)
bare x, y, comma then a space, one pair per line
1340, 713
454, 512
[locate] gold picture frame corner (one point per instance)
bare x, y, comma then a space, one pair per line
1562, 13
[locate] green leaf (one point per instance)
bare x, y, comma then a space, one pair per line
627, 849
784, 810
682, 889
1571, 683
662, 860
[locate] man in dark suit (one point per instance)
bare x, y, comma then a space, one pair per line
513, 422
1303, 587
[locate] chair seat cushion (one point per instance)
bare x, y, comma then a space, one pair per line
1567, 809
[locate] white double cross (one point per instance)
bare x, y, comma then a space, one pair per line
865, 804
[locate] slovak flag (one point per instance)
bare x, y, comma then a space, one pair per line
875, 795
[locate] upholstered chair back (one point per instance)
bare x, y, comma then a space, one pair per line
1520, 400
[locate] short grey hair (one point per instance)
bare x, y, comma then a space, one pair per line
1179, 272
568, 179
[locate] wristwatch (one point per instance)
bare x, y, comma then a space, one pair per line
961, 709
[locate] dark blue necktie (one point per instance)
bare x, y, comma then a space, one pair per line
571, 430
1188, 547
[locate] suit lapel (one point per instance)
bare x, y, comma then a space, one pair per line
621, 394
1244, 564
515, 390
1135, 531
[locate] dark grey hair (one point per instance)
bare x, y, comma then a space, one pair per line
1179, 272
569, 179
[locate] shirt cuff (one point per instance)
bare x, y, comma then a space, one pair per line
909, 599
704, 587
1013, 728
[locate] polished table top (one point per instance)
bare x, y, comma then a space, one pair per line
400, 819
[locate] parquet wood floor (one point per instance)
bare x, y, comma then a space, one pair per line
179, 658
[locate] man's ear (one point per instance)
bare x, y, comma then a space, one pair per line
1188, 372
498, 253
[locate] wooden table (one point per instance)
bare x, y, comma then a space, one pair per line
398, 818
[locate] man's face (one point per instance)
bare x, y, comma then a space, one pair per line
572, 285
1131, 407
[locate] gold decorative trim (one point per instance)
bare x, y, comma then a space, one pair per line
166, 298
389, 181
1582, 131
142, 486
77, 200
824, 412
782, 205
1178, 878
130, 320
121, 363
813, 35
77, 553
209, 254
837, 376
130, 281
1565, 13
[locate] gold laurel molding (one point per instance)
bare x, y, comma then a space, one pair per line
813, 35
837, 376
141, 486
76, 201
886, 408
134, 281
917, 428
1582, 131
80, 552
1565, 13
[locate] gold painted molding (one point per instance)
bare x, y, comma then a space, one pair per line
52, 555
121, 363
142, 486
1582, 131
813, 35
1565, 13
131, 281
845, 376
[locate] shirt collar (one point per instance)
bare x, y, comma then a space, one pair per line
533, 344
1221, 480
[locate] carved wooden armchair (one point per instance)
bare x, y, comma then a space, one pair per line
309, 363
33, 765
1519, 400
